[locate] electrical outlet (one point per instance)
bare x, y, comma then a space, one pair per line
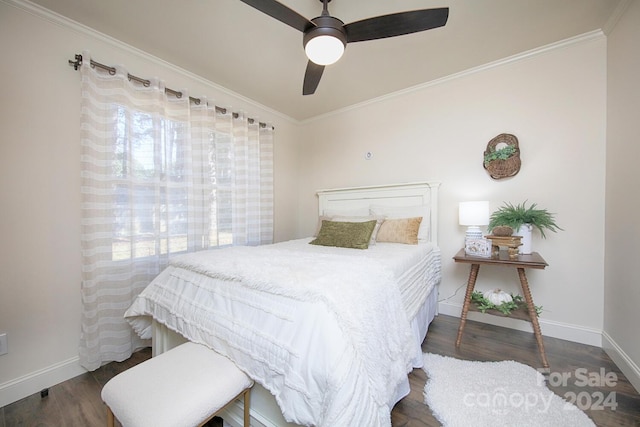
4, 347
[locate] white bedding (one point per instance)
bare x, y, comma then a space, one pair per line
325, 330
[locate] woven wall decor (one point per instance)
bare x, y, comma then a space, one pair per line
502, 156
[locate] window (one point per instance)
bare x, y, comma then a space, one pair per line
151, 187
150, 197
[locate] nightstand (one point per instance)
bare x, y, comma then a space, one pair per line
521, 262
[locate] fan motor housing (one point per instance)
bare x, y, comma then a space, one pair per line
325, 26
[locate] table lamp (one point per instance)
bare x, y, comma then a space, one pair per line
473, 215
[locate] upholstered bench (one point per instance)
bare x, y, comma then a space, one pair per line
185, 386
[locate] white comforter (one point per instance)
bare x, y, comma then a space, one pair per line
323, 329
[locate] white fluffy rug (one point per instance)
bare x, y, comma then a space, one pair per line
464, 393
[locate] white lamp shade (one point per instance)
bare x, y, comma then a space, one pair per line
473, 213
324, 50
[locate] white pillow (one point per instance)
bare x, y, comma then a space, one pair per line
397, 212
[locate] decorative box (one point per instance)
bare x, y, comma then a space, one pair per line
478, 247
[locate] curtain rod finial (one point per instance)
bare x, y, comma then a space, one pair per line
77, 63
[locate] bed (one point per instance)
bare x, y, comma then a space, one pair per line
328, 333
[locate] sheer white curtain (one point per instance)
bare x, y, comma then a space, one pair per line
160, 175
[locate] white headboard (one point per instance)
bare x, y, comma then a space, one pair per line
411, 194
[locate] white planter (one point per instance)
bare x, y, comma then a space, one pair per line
525, 231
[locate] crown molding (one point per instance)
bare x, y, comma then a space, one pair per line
615, 16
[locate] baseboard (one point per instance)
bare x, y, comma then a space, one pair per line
628, 367
21, 387
550, 328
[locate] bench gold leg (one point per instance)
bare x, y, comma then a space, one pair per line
110, 418
247, 408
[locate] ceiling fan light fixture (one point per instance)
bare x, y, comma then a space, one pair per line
324, 49
324, 43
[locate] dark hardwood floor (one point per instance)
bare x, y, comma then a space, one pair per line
77, 402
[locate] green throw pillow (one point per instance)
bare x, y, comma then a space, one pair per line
354, 235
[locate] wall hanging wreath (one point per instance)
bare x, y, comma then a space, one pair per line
502, 156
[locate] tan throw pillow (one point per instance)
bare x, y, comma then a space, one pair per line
396, 212
404, 230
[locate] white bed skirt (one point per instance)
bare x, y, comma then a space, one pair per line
264, 409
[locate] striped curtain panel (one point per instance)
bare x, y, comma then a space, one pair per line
160, 176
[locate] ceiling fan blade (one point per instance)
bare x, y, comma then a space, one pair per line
396, 24
312, 78
281, 12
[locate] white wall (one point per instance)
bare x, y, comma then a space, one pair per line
554, 102
622, 290
39, 189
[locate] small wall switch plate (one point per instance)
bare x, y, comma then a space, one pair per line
4, 347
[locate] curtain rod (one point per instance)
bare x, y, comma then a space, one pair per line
77, 63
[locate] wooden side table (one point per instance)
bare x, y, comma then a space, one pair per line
522, 262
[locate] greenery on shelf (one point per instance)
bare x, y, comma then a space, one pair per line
515, 216
505, 308
501, 154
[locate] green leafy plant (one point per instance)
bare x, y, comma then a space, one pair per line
505, 308
516, 215
501, 154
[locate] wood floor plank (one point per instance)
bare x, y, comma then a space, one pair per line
110, 370
34, 411
80, 402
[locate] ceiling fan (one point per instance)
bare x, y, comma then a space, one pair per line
325, 37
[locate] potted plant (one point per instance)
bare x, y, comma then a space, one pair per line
500, 154
522, 220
